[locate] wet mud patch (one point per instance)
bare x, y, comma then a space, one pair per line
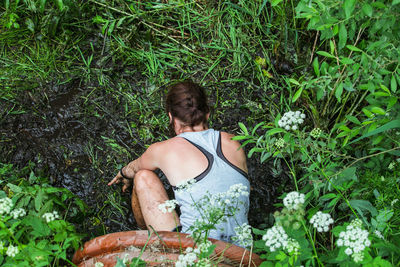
77, 134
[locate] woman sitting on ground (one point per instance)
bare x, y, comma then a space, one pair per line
210, 157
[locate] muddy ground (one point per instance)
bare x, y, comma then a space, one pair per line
63, 129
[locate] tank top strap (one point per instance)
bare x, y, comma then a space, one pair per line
207, 140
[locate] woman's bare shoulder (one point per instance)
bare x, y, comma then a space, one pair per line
227, 138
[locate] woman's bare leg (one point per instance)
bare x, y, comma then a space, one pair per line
151, 193
137, 212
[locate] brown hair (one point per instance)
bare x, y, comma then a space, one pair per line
188, 102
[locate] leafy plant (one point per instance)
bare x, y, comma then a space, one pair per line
32, 230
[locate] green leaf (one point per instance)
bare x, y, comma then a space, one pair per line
338, 92
392, 102
367, 113
325, 54
244, 129
378, 110
41, 5
384, 88
14, 188
342, 36
40, 228
39, 200
363, 206
367, 9
349, 6
395, 2
328, 196
256, 127
294, 81
346, 61
60, 4
275, 131
297, 94
353, 48
275, 2
258, 231
316, 66
393, 84
353, 119
388, 126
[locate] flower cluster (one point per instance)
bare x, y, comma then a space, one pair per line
50, 216
321, 221
6, 205
216, 208
315, 133
291, 120
294, 200
168, 206
293, 246
355, 239
187, 259
243, 235
275, 237
185, 185
280, 143
191, 255
203, 247
237, 190
12, 251
18, 213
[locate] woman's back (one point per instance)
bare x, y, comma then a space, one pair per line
212, 179
180, 160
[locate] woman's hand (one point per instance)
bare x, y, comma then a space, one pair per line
118, 178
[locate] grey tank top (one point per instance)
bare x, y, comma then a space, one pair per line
218, 177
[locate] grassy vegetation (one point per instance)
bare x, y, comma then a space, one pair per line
86, 80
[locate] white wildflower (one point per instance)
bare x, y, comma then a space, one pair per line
12, 251
291, 120
237, 190
321, 221
355, 239
275, 237
168, 206
315, 133
293, 246
6, 205
18, 213
186, 185
357, 257
294, 200
187, 259
50, 216
243, 235
394, 201
203, 247
280, 143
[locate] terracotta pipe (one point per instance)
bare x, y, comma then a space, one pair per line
123, 244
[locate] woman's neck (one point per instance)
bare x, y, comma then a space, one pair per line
196, 128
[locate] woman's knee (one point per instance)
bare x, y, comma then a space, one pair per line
144, 179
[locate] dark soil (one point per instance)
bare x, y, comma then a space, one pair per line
62, 130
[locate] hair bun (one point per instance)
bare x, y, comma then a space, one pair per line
187, 101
